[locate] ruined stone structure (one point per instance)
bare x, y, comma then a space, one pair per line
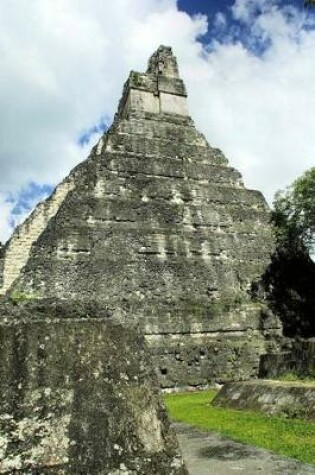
294, 399
159, 228
296, 356
79, 396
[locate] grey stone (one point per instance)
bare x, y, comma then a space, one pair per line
291, 399
1, 263
296, 356
79, 396
159, 228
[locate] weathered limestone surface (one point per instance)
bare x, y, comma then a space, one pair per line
296, 356
1, 264
273, 397
15, 254
79, 396
160, 229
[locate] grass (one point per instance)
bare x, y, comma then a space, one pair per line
293, 438
295, 378
19, 297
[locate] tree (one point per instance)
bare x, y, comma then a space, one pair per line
289, 281
294, 213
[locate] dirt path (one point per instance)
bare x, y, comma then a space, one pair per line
212, 454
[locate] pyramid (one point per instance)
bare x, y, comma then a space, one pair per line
159, 228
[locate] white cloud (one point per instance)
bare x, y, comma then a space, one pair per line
260, 109
65, 62
63, 65
246, 10
220, 20
5, 210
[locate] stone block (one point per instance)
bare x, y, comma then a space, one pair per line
79, 395
290, 399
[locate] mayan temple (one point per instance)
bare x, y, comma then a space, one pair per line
158, 228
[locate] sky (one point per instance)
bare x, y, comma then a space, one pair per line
249, 68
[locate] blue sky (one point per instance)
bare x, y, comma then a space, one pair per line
85, 136
26, 200
211, 7
206, 7
249, 67
239, 29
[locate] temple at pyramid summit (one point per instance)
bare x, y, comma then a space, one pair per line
157, 228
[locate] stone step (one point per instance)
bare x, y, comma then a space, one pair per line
167, 148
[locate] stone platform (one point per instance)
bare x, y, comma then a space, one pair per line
292, 399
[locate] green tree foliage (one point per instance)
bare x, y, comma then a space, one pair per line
290, 279
294, 213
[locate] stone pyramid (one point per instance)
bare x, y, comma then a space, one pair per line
158, 227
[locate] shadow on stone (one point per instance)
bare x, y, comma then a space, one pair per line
226, 451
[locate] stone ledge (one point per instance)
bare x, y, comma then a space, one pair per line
294, 399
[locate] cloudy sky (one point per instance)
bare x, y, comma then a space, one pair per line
249, 67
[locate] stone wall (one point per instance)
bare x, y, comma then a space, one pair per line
203, 360
212, 348
79, 395
272, 397
296, 356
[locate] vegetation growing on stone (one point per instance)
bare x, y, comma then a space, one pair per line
136, 78
19, 296
294, 377
217, 307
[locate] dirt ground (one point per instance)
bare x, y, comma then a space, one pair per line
212, 454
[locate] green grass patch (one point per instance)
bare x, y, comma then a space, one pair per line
296, 378
293, 438
19, 297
